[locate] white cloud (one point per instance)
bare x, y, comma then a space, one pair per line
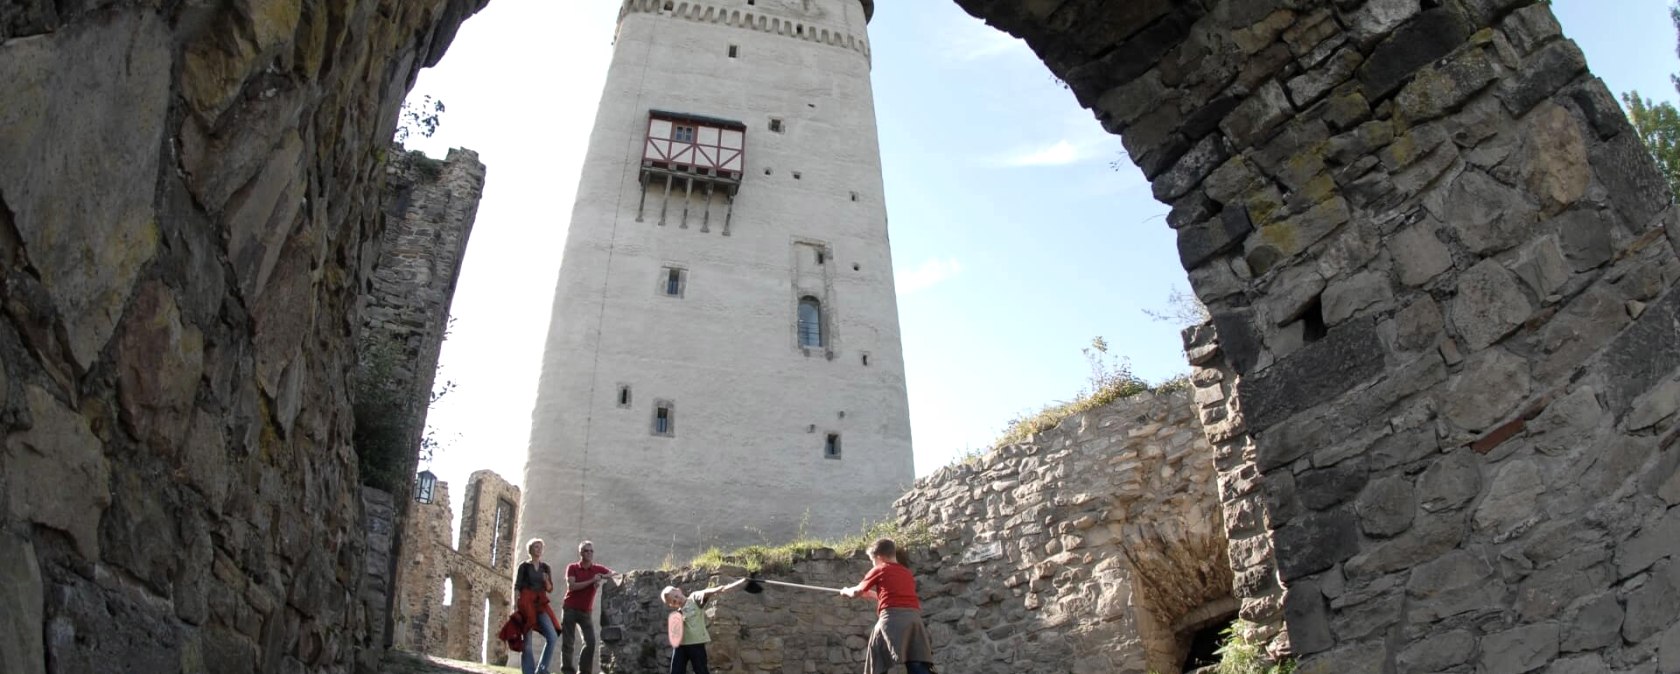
975, 41
1061, 153
930, 273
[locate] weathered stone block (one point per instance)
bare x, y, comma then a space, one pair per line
1643, 354
1200, 242
1512, 499
1555, 158
1546, 593
1542, 267
1325, 487
1655, 406
1422, 39
1488, 216
1635, 187
1656, 540
1419, 254
1346, 357
1315, 541
1307, 88
21, 592
1488, 390
1519, 650
1450, 482
1456, 583
1252, 121
58, 473
1438, 653
1542, 75
1418, 326
1387, 507
1439, 89
1650, 607
1374, 19
1597, 625
83, 153
1307, 615
1347, 297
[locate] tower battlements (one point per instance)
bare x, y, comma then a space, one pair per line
831, 22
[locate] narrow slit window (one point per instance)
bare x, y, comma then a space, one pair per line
866, 360
624, 396
854, 196
810, 323
734, 51
664, 420
831, 446
672, 283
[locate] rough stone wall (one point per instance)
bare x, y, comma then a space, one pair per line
1095, 547
379, 513
1441, 269
782, 630
187, 207
430, 206
424, 623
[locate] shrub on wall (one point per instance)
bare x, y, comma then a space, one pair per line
384, 417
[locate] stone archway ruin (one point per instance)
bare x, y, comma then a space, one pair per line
1442, 271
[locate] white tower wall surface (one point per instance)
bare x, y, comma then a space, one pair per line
689, 264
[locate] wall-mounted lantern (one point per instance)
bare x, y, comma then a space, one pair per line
425, 483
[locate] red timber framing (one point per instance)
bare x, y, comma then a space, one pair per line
695, 156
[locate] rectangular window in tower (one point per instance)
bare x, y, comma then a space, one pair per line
624, 395
734, 51
776, 125
682, 134
673, 282
664, 420
831, 447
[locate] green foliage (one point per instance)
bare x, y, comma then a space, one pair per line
1110, 379
386, 417
767, 557
1658, 124
383, 417
1183, 310
419, 118
1239, 655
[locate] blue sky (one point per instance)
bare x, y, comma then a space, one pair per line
1014, 242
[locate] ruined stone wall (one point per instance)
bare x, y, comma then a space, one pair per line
188, 208
479, 567
780, 630
1095, 547
430, 206
1442, 273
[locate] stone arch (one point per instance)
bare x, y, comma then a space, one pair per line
1364, 195
1327, 163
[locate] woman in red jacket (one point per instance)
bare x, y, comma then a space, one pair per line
533, 582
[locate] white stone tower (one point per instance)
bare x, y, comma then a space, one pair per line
723, 364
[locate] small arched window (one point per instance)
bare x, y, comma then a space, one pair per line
810, 323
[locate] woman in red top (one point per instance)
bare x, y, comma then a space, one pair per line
899, 637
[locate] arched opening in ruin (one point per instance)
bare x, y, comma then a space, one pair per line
1201, 632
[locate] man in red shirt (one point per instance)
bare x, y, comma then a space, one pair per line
899, 637
582, 577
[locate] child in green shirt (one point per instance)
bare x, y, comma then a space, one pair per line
690, 645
